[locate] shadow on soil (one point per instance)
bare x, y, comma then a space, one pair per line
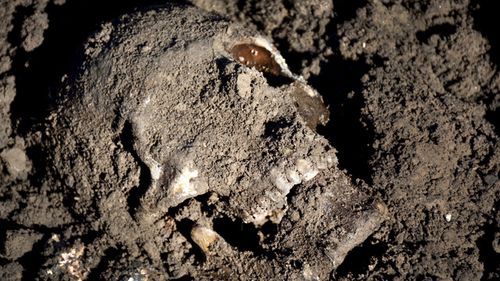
487, 253
340, 85
486, 20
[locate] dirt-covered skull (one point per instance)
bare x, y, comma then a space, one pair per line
175, 107
178, 127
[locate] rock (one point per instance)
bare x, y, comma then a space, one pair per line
11, 272
16, 161
19, 242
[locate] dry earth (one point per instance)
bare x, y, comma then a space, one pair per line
413, 89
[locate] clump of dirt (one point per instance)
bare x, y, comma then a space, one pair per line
413, 91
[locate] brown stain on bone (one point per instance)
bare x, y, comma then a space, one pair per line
312, 108
256, 56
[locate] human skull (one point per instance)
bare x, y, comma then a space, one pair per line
173, 103
197, 120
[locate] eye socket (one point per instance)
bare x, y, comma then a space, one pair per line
256, 56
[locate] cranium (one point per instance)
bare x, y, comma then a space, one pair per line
168, 106
198, 119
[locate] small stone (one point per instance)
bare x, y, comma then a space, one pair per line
447, 217
11, 272
18, 243
203, 237
16, 161
33, 29
295, 216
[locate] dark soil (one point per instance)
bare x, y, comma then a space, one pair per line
413, 89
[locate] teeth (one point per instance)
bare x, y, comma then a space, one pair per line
281, 182
323, 162
305, 168
204, 237
284, 181
293, 177
303, 171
